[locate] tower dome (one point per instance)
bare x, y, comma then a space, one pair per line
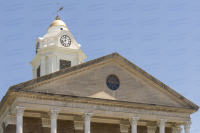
57, 25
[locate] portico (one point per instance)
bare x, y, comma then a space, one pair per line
130, 118
87, 119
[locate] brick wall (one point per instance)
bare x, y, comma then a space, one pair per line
10, 129
167, 130
34, 125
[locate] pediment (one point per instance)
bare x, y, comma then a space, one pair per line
91, 83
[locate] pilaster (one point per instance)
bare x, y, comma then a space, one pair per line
151, 129
42, 66
52, 66
46, 122
176, 130
124, 128
78, 125
34, 72
10, 120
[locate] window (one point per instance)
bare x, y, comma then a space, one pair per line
64, 64
112, 82
38, 72
37, 46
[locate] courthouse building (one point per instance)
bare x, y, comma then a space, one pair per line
106, 95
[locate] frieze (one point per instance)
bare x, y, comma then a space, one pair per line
83, 104
108, 108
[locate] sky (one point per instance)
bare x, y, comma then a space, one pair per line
161, 37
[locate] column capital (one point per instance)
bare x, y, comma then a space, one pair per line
187, 125
54, 114
151, 129
87, 117
10, 120
46, 122
134, 120
19, 111
124, 128
79, 125
176, 130
162, 122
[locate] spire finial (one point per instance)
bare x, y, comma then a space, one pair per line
57, 17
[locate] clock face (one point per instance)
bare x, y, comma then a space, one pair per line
65, 41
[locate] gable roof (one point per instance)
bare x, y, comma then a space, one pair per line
25, 85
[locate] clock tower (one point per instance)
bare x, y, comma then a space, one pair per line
56, 50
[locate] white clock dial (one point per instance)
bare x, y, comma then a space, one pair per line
65, 40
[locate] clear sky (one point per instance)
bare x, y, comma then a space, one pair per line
161, 37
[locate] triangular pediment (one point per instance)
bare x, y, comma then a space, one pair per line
91, 82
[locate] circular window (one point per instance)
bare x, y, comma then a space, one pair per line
112, 82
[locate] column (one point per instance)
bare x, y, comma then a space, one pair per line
133, 122
151, 129
19, 113
176, 130
162, 125
87, 118
54, 114
187, 126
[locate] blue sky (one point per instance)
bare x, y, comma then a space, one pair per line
161, 37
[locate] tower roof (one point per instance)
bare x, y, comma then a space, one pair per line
58, 23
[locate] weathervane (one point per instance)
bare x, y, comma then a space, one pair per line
57, 17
